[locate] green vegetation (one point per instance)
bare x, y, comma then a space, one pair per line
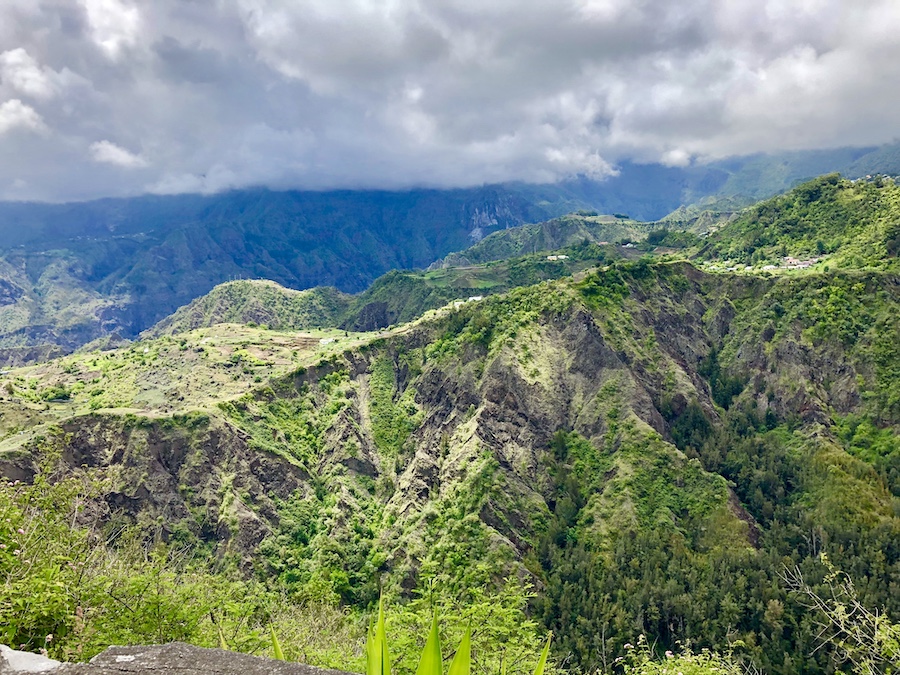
404, 296
262, 303
64, 591
643, 448
392, 420
667, 238
72, 594
549, 237
378, 661
877, 446
851, 223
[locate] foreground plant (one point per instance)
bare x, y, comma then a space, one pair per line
642, 661
378, 661
865, 639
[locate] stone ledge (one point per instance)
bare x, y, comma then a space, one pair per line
175, 657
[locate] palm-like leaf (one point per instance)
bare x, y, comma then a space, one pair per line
378, 660
276, 645
542, 662
431, 662
462, 662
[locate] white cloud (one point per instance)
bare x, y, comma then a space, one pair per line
114, 24
22, 72
16, 115
676, 157
395, 93
107, 152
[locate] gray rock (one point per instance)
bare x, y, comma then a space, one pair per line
175, 657
13, 661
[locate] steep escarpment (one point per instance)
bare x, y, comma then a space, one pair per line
401, 425
648, 445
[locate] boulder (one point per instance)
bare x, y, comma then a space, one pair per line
12, 661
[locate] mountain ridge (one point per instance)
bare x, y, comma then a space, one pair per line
73, 273
575, 429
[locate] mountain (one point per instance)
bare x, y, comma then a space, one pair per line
259, 302
857, 219
882, 160
549, 236
399, 296
402, 296
848, 223
648, 443
74, 273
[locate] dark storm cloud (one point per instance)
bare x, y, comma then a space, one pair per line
101, 97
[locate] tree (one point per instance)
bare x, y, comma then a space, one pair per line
864, 638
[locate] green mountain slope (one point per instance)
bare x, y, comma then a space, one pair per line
849, 223
549, 236
400, 296
650, 444
883, 160
260, 302
396, 297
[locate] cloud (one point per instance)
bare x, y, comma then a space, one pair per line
106, 152
24, 74
396, 93
16, 115
114, 24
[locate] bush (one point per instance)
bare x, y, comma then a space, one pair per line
641, 661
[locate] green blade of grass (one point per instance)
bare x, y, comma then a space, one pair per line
382, 660
222, 643
371, 652
542, 662
462, 662
276, 645
431, 663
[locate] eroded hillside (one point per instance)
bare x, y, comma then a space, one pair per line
647, 445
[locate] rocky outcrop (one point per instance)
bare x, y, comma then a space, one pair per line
175, 657
14, 357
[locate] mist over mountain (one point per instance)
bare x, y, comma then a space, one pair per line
71, 273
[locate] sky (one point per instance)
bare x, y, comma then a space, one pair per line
121, 97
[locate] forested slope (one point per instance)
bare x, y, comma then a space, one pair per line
649, 446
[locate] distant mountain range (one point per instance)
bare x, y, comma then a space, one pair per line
73, 273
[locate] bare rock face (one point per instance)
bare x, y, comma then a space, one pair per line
175, 657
